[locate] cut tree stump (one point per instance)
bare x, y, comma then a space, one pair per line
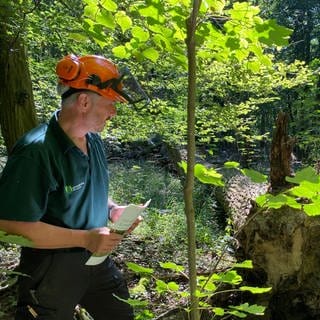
283, 244
280, 155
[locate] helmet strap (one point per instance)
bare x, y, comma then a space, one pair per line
69, 92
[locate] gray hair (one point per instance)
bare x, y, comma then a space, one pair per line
61, 89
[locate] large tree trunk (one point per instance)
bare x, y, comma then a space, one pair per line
17, 112
284, 247
283, 244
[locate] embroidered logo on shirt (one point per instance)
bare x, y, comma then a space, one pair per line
70, 189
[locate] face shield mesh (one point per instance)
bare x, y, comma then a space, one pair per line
131, 89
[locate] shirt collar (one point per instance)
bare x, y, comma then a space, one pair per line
63, 140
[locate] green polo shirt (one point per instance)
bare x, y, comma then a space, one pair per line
48, 178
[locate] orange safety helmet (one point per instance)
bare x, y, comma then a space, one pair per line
91, 72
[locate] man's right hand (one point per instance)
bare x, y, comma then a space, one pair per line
102, 240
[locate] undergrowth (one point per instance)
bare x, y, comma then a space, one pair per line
164, 226
165, 219
155, 292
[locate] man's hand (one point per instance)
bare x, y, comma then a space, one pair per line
102, 241
115, 214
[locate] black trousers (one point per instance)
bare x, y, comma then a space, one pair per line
55, 281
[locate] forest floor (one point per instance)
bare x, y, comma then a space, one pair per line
143, 252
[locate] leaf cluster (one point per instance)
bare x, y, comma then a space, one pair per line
305, 195
208, 286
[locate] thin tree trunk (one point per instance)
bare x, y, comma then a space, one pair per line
189, 184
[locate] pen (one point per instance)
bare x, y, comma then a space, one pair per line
32, 311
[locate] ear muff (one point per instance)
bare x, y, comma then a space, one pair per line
68, 68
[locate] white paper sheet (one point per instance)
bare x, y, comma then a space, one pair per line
127, 218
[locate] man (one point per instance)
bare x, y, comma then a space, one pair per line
54, 191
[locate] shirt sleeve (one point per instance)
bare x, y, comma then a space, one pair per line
24, 189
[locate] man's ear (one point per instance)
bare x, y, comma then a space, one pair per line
84, 102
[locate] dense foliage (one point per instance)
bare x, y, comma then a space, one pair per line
246, 71
239, 97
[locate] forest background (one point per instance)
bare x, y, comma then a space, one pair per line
248, 70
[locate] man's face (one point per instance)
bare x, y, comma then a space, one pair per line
102, 109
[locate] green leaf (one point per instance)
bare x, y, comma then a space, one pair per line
91, 11
173, 286
306, 174
254, 175
218, 311
162, 42
149, 11
135, 303
231, 277
183, 166
19, 240
312, 209
217, 5
140, 287
106, 18
184, 294
210, 286
77, 36
305, 190
252, 309
273, 34
120, 52
207, 283
238, 314
109, 5
233, 43
247, 264
209, 176
254, 66
161, 286
231, 165
123, 21
99, 37
262, 200
171, 266
276, 202
139, 269
255, 290
243, 11
181, 60
202, 294
151, 54
204, 304
140, 34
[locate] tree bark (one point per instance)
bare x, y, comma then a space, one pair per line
189, 183
281, 155
17, 111
283, 246
282, 243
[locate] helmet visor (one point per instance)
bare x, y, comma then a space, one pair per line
129, 87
